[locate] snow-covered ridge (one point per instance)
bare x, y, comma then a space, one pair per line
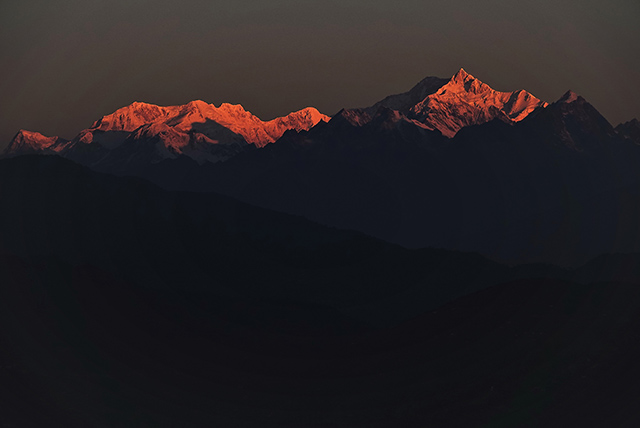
199, 130
34, 142
235, 118
465, 101
209, 133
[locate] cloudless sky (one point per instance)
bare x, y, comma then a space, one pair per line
64, 64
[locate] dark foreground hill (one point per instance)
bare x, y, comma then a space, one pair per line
125, 305
81, 349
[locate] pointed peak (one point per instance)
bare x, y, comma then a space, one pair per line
23, 133
33, 142
462, 82
569, 97
462, 76
346, 112
426, 86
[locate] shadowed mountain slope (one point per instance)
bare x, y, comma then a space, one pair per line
126, 305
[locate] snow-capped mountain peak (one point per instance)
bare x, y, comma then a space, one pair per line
465, 100
300, 120
570, 97
461, 76
34, 142
130, 118
184, 118
197, 129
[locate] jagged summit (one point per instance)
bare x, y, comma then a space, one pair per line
464, 82
570, 97
462, 76
34, 142
231, 116
197, 129
447, 105
465, 100
438, 104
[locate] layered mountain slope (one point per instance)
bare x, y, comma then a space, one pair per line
125, 305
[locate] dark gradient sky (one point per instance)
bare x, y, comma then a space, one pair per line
64, 64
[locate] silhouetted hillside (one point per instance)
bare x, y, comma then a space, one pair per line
126, 305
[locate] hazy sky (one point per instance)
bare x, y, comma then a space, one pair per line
64, 64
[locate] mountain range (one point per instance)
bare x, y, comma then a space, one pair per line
451, 163
447, 257
196, 129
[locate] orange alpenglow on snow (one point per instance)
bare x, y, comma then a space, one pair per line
33, 142
199, 114
465, 101
205, 132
